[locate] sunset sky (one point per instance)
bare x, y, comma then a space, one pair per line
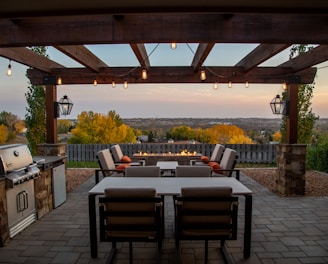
163, 100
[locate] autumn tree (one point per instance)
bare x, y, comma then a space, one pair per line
227, 134
13, 123
306, 118
101, 129
3, 134
63, 126
35, 117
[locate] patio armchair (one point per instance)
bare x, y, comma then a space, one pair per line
206, 213
215, 157
107, 165
130, 215
119, 157
142, 171
227, 164
192, 171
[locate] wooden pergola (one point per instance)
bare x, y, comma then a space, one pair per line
69, 25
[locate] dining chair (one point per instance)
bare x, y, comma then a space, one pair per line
143, 171
227, 165
130, 215
216, 156
119, 157
206, 213
192, 171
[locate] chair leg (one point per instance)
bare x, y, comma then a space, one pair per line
131, 252
206, 251
225, 254
112, 254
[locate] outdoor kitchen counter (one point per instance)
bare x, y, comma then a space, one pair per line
44, 185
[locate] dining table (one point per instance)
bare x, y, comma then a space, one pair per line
169, 186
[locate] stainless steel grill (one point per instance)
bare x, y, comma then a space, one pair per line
16, 164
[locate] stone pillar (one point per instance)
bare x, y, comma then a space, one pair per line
58, 149
4, 229
290, 178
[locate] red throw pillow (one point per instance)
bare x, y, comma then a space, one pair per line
205, 159
126, 159
217, 168
122, 167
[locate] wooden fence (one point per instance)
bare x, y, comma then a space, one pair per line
248, 153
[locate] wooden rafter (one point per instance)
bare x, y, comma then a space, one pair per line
308, 59
260, 54
202, 52
29, 58
141, 54
84, 56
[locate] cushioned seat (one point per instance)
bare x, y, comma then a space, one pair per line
119, 157
143, 171
227, 164
216, 156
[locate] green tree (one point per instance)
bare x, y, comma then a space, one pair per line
101, 129
35, 117
306, 118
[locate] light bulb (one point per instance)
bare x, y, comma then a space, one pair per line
284, 86
125, 84
144, 75
59, 80
9, 72
95, 82
173, 45
246, 84
229, 84
113, 84
203, 75
215, 85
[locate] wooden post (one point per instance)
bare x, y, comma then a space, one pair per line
291, 122
51, 119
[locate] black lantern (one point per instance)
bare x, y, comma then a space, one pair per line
64, 105
279, 106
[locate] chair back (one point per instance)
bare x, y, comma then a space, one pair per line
117, 152
217, 153
228, 161
130, 214
105, 161
205, 213
192, 171
143, 171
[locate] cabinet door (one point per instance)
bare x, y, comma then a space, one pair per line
59, 185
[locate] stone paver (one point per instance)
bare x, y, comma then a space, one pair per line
285, 230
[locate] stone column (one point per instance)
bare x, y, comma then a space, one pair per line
58, 149
290, 178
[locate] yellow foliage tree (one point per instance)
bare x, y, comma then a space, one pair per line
4, 132
101, 129
227, 134
277, 136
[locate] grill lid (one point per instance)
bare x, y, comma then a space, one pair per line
14, 157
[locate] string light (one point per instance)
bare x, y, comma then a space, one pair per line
229, 84
215, 85
59, 81
284, 86
125, 84
246, 84
9, 72
173, 45
113, 84
144, 74
95, 82
203, 75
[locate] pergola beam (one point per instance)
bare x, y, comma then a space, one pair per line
29, 58
202, 52
260, 54
141, 54
162, 28
181, 74
82, 55
312, 57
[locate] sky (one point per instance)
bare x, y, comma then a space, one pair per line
163, 100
